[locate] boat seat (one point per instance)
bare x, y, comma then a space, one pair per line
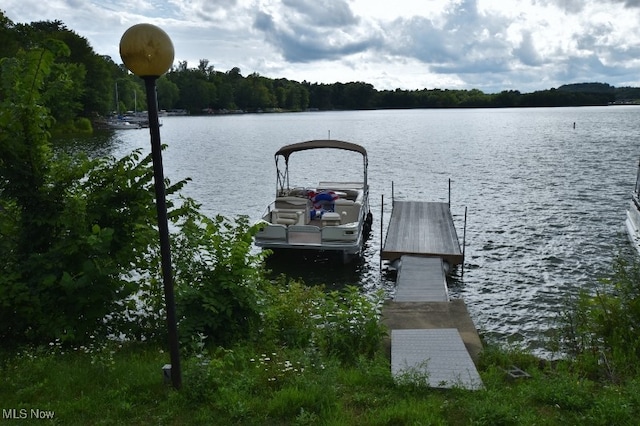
349, 211
330, 218
287, 205
291, 202
287, 217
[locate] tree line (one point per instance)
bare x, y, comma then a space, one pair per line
87, 84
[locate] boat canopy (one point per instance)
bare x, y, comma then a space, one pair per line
287, 150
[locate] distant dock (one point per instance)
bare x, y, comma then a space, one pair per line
430, 334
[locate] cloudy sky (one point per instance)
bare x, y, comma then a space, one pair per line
491, 45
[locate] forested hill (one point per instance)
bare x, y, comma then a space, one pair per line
95, 85
620, 94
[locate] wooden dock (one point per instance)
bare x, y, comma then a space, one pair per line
423, 229
432, 337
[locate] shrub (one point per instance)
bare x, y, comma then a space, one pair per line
218, 279
349, 324
290, 312
603, 329
344, 324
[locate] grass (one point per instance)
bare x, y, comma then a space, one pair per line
113, 384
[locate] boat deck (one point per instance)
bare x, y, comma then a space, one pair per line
423, 229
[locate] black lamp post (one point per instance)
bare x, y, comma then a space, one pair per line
147, 51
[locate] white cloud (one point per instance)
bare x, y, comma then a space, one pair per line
521, 44
526, 51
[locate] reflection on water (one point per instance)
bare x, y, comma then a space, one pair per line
316, 268
546, 201
99, 144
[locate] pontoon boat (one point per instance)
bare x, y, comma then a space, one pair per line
331, 216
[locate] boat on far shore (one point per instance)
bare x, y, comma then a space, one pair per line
130, 121
139, 118
633, 214
121, 124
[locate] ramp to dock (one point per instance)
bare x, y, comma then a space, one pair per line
432, 338
421, 279
424, 229
438, 356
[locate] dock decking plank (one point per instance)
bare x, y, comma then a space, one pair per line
422, 228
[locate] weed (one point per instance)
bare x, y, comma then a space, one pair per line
601, 328
414, 377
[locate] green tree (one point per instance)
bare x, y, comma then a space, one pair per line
10, 43
196, 92
64, 91
99, 82
168, 93
24, 147
320, 96
292, 96
94, 80
73, 230
358, 95
225, 95
506, 98
130, 94
260, 90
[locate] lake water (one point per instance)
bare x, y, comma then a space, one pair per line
546, 199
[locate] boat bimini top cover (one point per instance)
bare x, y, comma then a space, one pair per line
287, 150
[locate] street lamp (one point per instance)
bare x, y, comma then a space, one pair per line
147, 51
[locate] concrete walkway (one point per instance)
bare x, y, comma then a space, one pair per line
433, 315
